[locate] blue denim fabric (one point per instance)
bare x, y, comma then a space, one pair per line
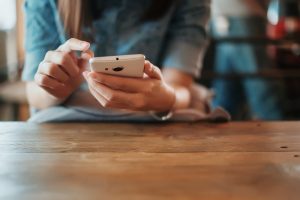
263, 96
177, 40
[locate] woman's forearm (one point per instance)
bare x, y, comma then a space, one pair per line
38, 98
181, 82
183, 97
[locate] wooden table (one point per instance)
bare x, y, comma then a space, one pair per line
249, 160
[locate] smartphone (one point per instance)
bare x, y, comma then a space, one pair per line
125, 65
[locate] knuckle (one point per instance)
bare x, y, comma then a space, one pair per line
52, 69
41, 65
139, 103
64, 58
150, 88
43, 80
36, 78
48, 54
60, 47
69, 41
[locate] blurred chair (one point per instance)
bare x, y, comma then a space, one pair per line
13, 103
243, 18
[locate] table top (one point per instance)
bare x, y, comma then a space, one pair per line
240, 160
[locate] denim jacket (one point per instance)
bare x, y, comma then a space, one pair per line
177, 40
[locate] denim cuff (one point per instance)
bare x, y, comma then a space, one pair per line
185, 57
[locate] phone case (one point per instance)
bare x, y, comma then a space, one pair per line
126, 65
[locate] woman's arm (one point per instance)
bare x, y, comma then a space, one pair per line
181, 82
41, 35
185, 46
41, 99
58, 75
51, 76
38, 98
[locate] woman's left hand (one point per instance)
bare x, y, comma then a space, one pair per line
150, 93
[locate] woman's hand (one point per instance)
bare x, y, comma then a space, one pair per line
60, 73
150, 93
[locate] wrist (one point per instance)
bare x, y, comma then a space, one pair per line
166, 113
57, 97
57, 100
182, 97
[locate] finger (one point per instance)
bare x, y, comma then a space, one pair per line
73, 56
74, 44
88, 54
46, 81
83, 61
83, 64
115, 98
98, 97
107, 93
54, 71
152, 71
64, 60
112, 103
126, 84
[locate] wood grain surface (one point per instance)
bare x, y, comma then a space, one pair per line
246, 160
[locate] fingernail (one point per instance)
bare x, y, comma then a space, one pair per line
150, 68
147, 63
86, 56
85, 44
85, 74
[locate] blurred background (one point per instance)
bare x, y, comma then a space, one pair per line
252, 62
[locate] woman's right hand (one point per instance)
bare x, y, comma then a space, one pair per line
60, 73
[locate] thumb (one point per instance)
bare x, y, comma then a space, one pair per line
83, 61
74, 45
83, 64
152, 71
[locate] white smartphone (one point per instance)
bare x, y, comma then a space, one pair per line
126, 65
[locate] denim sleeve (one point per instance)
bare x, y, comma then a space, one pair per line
41, 34
187, 36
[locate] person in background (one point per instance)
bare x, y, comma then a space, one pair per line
61, 35
243, 18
